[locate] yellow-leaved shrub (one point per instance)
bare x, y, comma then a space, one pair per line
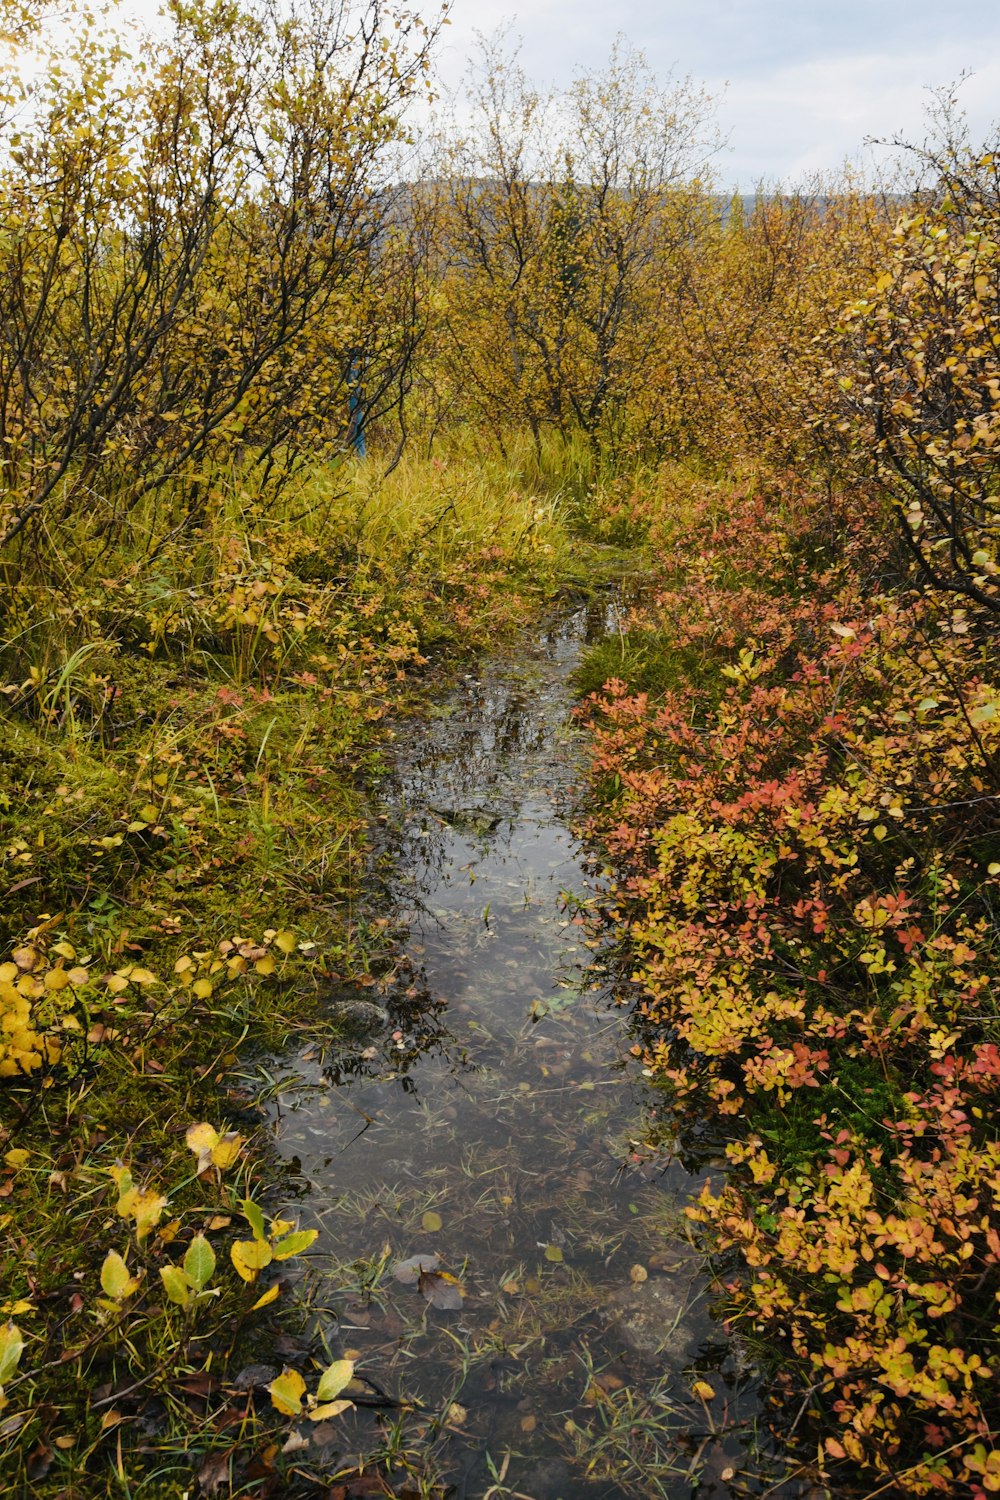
38, 997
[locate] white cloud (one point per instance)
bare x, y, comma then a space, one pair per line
808, 80
812, 116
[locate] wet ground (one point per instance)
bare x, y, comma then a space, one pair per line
488, 1118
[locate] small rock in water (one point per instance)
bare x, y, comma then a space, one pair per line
251, 1377
547, 1476
660, 1317
358, 1018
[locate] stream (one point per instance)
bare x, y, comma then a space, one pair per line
487, 1117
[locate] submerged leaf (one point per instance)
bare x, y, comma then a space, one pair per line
331, 1409
334, 1378
441, 1290
408, 1272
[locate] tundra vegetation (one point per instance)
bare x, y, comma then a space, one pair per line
225, 257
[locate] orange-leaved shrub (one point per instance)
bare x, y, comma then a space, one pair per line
808, 860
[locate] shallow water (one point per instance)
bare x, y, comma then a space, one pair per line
497, 1123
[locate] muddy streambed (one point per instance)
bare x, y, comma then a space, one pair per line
487, 1116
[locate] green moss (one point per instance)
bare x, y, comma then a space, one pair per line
860, 1100
649, 661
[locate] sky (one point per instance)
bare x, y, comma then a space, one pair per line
800, 84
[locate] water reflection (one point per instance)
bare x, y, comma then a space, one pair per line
490, 1121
